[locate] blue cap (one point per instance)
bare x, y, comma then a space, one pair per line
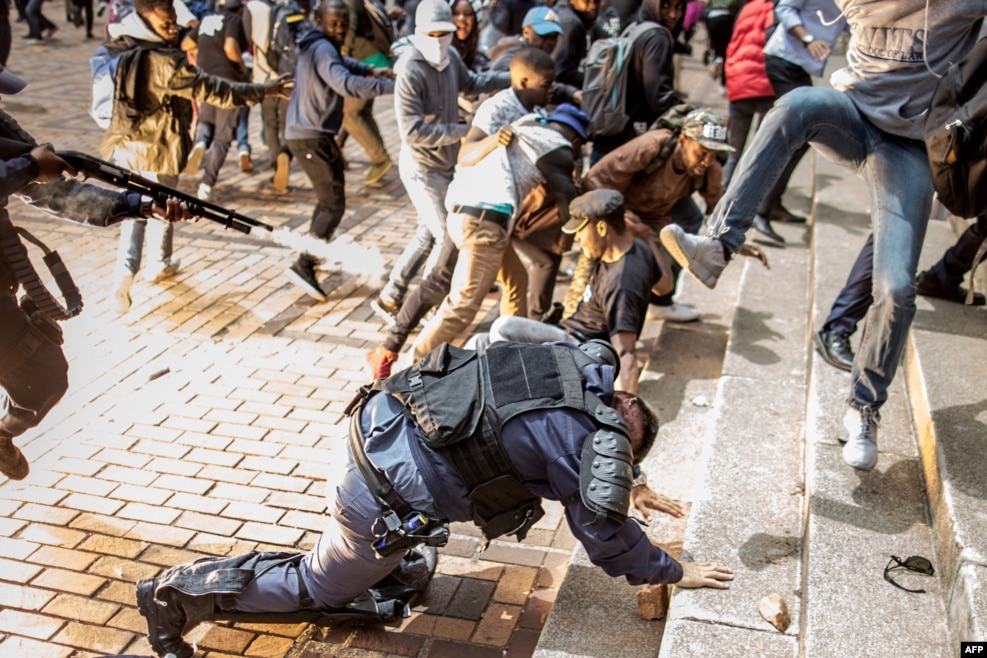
543, 20
573, 117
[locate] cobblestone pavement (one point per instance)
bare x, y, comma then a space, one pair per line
205, 421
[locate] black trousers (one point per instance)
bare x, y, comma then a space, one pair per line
429, 294
28, 391
5, 37
322, 162
542, 272
223, 124
852, 302
274, 112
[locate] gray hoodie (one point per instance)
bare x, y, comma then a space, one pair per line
892, 42
426, 108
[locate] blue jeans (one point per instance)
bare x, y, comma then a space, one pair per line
243, 131
901, 198
427, 191
160, 236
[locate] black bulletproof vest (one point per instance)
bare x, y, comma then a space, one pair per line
462, 399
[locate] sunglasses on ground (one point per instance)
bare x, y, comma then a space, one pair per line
915, 563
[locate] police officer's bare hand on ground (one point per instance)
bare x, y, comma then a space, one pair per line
52, 166
280, 86
645, 501
705, 574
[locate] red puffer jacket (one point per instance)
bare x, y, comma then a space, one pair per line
746, 77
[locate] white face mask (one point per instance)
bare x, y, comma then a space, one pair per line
435, 50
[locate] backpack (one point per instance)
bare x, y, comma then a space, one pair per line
380, 26
288, 24
956, 135
605, 81
114, 68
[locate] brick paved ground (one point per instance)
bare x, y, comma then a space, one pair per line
204, 422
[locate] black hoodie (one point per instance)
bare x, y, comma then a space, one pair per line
650, 91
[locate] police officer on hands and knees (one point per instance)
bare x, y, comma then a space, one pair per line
33, 371
462, 435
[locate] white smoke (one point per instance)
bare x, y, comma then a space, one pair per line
342, 253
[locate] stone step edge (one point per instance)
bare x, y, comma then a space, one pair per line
962, 567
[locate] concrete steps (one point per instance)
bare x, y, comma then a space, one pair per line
944, 366
762, 473
856, 520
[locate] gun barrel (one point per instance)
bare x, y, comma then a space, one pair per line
126, 179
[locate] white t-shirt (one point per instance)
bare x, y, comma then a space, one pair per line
507, 175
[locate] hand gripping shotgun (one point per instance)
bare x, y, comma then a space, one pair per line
107, 172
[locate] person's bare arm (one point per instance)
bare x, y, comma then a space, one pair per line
624, 342
639, 229
188, 44
231, 48
479, 144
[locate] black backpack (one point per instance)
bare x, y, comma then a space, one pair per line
605, 79
288, 24
956, 135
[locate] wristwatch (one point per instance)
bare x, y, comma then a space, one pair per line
807, 39
146, 206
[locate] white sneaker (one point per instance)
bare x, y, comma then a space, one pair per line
121, 295
702, 256
161, 271
674, 313
204, 193
860, 450
195, 159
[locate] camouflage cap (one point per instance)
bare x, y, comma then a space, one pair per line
708, 128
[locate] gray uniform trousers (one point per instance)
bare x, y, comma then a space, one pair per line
339, 568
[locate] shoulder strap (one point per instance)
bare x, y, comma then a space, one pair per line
664, 153
15, 255
378, 484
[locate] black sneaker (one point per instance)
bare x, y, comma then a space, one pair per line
834, 346
927, 284
13, 464
302, 274
165, 620
554, 316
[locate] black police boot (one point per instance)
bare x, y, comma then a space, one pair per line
412, 575
13, 464
170, 614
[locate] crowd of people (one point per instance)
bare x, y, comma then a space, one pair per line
488, 102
